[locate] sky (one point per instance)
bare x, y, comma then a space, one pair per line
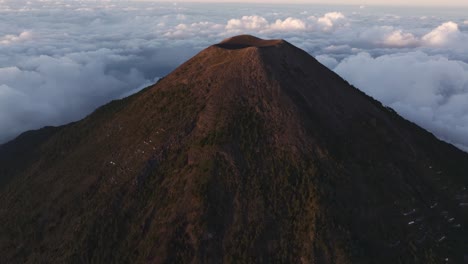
61, 59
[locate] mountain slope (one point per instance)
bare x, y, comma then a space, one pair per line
251, 151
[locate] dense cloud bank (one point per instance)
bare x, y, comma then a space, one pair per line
59, 60
430, 90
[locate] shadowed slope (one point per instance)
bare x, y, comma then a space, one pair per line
256, 153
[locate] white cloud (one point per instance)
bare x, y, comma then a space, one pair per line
288, 24
10, 39
398, 38
443, 34
429, 90
53, 91
249, 23
330, 21
181, 17
328, 61
183, 31
340, 49
446, 35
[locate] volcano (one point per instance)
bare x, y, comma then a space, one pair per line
250, 152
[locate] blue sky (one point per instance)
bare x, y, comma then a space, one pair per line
61, 59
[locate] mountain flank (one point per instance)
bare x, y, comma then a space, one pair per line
250, 152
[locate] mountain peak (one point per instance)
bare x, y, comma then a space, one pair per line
245, 41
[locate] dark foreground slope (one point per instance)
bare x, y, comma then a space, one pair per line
250, 152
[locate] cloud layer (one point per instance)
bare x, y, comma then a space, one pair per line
430, 90
59, 60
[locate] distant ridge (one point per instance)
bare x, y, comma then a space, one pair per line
249, 152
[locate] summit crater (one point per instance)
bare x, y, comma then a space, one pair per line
245, 41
